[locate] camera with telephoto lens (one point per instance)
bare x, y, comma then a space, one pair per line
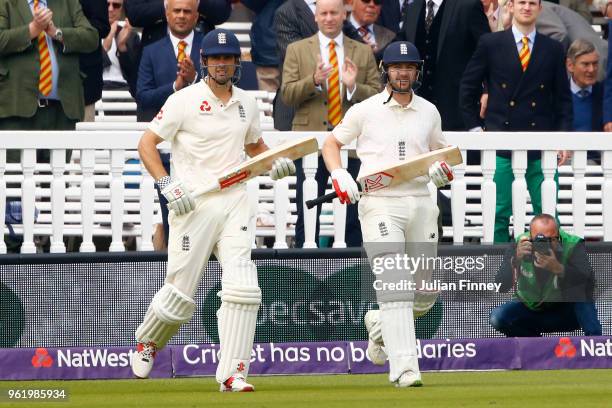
539, 244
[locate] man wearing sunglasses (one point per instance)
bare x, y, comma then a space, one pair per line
553, 281
363, 18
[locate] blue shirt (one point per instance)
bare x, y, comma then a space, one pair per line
54, 66
518, 39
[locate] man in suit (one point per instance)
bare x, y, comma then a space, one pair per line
151, 16
323, 75
392, 13
446, 33
363, 19
524, 72
587, 94
293, 21
96, 12
51, 99
40, 84
166, 66
170, 63
556, 21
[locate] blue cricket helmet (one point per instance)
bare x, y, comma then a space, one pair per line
401, 51
220, 42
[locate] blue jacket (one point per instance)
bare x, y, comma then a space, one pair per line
157, 73
263, 34
537, 100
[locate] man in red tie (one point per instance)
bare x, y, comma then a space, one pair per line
323, 75
363, 18
524, 72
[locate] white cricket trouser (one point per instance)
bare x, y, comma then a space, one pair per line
393, 225
219, 224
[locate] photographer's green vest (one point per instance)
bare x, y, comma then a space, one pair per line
531, 293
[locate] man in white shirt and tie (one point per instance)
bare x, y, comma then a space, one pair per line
363, 17
323, 75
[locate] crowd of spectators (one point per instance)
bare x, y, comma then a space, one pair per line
57, 57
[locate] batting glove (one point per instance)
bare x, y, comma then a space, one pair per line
345, 186
282, 167
179, 198
440, 174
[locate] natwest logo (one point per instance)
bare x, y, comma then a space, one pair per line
93, 358
42, 358
565, 348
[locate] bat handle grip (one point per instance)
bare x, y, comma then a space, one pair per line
320, 200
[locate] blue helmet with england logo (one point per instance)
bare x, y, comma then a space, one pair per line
399, 52
220, 42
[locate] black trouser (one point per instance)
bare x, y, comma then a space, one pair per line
163, 203
353, 228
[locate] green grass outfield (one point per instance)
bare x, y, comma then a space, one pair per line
569, 388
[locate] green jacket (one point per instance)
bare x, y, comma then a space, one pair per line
529, 291
19, 59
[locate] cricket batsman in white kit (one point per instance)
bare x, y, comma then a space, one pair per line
391, 126
209, 125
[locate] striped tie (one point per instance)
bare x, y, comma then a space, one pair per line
367, 37
45, 78
181, 51
524, 55
334, 104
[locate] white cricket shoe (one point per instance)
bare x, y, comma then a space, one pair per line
376, 350
409, 379
236, 383
143, 359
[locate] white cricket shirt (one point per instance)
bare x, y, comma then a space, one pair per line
207, 136
387, 133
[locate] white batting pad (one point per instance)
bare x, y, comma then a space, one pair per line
237, 318
168, 310
423, 301
400, 340
373, 325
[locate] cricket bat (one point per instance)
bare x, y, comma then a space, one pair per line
262, 163
399, 172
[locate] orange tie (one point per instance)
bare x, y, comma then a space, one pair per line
181, 51
334, 103
524, 55
45, 78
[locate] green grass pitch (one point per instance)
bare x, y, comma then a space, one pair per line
565, 388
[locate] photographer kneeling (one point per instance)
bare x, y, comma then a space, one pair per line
553, 282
